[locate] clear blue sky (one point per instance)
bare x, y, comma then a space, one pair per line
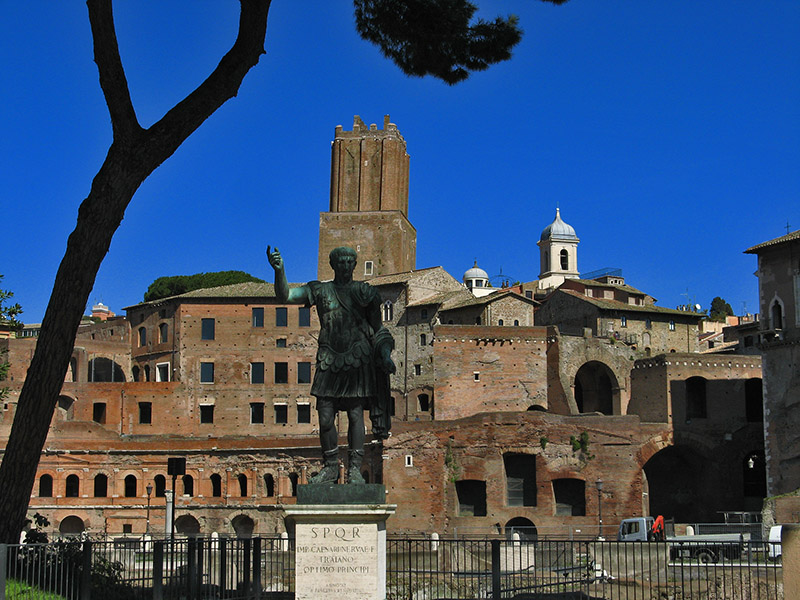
668, 133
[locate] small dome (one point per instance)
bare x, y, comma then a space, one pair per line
558, 230
475, 273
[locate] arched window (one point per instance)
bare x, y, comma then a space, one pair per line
294, 479
142, 337
388, 310
695, 398
188, 485
242, 478
130, 486
147, 372
100, 485
216, 486
161, 485
73, 486
516, 322
105, 370
73, 369
163, 332
65, 404
754, 475
46, 486
365, 475
564, 260
269, 485
423, 339
135, 373
777, 315
500, 322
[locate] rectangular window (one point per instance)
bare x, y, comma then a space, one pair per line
127, 528
280, 343
672, 325
304, 317
281, 414
304, 372
207, 329
281, 316
206, 413
476, 376
648, 323
145, 413
281, 372
417, 369
367, 267
162, 372
623, 320
206, 372
256, 413
423, 314
520, 479
258, 317
99, 412
304, 413
256, 372
529, 294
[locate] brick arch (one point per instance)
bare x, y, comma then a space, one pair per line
586, 383
651, 447
97, 370
72, 525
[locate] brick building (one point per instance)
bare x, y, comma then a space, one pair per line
506, 412
779, 331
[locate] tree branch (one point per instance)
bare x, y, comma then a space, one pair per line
112, 76
221, 85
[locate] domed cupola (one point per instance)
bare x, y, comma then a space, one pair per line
476, 277
558, 254
558, 230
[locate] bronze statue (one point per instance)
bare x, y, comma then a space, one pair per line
353, 359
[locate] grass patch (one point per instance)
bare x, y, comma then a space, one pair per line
17, 590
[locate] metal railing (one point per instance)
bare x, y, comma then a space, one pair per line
416, 568
501, 568
131, 568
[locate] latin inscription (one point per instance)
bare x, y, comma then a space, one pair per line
339, 552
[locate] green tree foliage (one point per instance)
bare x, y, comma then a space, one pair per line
435, 37
8, 319
164, 287
719, 310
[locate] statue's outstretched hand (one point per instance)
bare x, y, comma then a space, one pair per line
387, 365
275, 259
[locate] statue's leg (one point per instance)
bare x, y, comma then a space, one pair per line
355, 442
329, 440
328, 436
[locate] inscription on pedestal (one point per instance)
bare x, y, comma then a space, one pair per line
336, 560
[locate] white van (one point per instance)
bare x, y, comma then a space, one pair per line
774, 546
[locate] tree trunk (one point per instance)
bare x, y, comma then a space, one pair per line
134, 154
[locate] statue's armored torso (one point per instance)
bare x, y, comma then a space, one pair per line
344, 368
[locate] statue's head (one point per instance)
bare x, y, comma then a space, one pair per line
343, 260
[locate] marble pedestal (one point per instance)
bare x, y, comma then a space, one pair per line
340, 550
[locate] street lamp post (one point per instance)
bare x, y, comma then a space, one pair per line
149, 489
599, 485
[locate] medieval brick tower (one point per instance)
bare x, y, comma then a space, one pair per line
369, 202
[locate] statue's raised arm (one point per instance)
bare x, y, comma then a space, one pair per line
282, 291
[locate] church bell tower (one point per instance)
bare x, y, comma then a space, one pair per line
369, 202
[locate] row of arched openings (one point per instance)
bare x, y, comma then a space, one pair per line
186, 482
